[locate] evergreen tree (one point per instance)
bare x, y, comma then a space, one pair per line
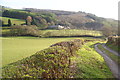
9, 22
26, 22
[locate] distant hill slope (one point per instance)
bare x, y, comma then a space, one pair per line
78, 19
57, 12
42, 20
75, 20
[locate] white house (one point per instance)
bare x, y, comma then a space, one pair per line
56, 27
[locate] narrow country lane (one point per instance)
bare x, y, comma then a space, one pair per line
112, 65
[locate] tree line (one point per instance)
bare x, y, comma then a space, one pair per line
42, 20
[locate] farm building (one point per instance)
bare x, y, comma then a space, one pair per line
58, 27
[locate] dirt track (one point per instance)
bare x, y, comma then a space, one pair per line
112, 65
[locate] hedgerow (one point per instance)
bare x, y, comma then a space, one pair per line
25, 30
113, 40
114, 43
53, 62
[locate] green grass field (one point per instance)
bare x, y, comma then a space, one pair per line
17, 48
90, 64
13, 20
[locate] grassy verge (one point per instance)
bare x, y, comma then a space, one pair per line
111, 55
113, 47
90, 64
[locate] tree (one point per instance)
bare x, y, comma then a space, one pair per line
29, 20
9, 22
1, 23
108, 31
24, 30
40, 22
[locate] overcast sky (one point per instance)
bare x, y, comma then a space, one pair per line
101, 8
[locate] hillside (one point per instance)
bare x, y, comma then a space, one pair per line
78, 19
75, 20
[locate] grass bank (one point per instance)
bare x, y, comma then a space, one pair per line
90, 64
113, 47
111, 55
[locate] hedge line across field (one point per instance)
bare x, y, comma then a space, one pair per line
53, 62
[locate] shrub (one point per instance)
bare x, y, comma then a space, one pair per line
40, 22
47, 34
113, 40
53, 62
114, 43
49, 63
29, 20
24, 30
72, 46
